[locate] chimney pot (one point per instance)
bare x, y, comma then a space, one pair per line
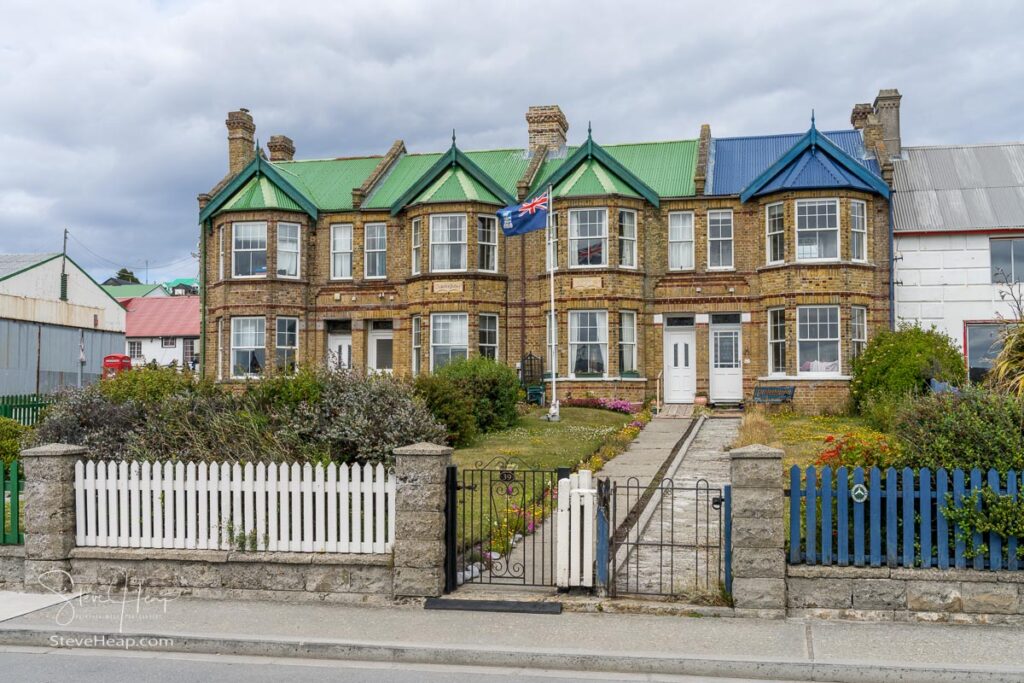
547, 127
887, 108
281, 148
859, 115
241, 140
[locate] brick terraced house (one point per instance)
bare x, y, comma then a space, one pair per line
712, 264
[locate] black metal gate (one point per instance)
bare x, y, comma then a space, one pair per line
500, 524
674, 545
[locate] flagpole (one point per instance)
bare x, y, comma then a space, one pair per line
553, 414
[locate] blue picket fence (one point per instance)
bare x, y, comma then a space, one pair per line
849, 517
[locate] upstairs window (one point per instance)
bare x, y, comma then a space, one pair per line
817, 229
680, 241
1007, 260
287, 343
248, 346
376, 250
858, 231
720, 249
249, 251
447, 242
775, 230
288, 249
488, 336
627, 238
417, 244
551, 238
341, 251
588, 343
487, 243
818, 339
588, 238
220, 253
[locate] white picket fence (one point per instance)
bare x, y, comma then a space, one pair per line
576, 521
334, 509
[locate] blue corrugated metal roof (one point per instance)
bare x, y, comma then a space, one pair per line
813, 169
735, 162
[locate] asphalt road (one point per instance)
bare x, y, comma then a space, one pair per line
91, 666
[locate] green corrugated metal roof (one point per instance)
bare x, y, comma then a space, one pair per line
455, 185
404, 173
667, 167
328, 183
128, 291
590, 179
260, 193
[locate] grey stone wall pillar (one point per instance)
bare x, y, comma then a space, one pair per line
758, 534
419, 519
49, 515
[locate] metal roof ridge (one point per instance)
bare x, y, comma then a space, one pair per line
782, 135
966, 146
352, 158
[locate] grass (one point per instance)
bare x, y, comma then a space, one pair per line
801, 436
546, 445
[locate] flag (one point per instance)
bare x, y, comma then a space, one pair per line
520, 219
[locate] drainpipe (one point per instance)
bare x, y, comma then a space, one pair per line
892, 269
202, 298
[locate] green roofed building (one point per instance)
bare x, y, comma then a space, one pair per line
666, 287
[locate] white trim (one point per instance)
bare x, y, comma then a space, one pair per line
854, 202
603, 238
220, 255
416, 227
551, 244
635, 239
266, 246
493, 244
416, 330
806, 377
232, 347
277, 332
350, 252
838, 340
367, 252
767, 235
569, 343
732, 239
464, 314
692, 241
724, 327
768, 326
632, 344
838, 230
220, 349
497, 333
853, 338
464, 243
298, 251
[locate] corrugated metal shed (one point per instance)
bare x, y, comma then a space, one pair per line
40, 358
959, 188
734, 162
15, 263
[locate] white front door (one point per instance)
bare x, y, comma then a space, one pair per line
339, 350
380, 350
680, 366
726, 363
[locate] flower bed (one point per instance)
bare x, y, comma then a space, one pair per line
618, 405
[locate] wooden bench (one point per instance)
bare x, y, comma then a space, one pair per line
773, 394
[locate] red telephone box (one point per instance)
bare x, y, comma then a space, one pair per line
115, 364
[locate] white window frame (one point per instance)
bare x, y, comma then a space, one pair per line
135, 349
464, 243
234, 250
551, 242
434, 319
838, 340
493, 245
858, 330
774, 341
417, 244
838, 230
862, 232
731, 239
602, 314
624, 239
220, 349
769, 233
279, 346
552, 342
602, 237
336, 251
684, 242
220, 254
173, 342
367, 252
255, 347
497, 334
297, 252
417, 344
628, 345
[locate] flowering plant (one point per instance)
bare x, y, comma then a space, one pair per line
861, 448
619, 405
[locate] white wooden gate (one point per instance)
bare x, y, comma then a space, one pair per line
576, 521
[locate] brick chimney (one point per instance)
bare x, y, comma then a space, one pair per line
547, 127
859, 115
281, 148
241, 140
887, 107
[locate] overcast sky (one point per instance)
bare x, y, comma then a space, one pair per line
112, 112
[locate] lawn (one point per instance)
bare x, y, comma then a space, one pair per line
801, 436
546, 445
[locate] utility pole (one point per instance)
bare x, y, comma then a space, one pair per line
63, 269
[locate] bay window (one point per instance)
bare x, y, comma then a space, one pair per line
858, 231
447, 242
487, 243
627, 343
777, 341
858, 330
449, 338
720, 247
248, 346
249, 250
627, 238
287, 343
288, 250
417, 345
588, 343
588, 238
375, 249
341, 251
818, 339
417, 244
775, 233
817, 229
488, 335
680, 240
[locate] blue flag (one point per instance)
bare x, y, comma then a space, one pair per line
520, 219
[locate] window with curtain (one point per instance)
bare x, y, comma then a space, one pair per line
248, 346
627, 343
588, 237
288, 250
818, 339
627, 238
417, 244
588, 343
487, 243
775, 230
449, 338
249, 250
720, 246
417, 345
341, 251
375, 248
777, 341
447, 242
680, 240
858, 231
817, 229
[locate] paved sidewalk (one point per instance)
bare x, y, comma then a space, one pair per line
788, 649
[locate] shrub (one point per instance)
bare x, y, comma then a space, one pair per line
150, 385
86, 417
287, 391
901, 362
861, 448
880, 409
492, 387
11, 434
450, 406
975, 428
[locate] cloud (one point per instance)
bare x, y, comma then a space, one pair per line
113, 112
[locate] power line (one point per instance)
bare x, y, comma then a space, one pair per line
117, 264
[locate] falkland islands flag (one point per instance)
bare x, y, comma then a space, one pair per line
520, 219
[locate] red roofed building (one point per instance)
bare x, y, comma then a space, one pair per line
163, 329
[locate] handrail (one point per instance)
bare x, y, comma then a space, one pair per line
657, 396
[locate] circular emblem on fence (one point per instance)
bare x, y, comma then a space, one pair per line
859, 493
507, 475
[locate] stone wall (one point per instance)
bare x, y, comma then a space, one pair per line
12, 567
893, 593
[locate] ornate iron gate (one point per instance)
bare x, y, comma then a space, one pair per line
500, 524
678, 545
